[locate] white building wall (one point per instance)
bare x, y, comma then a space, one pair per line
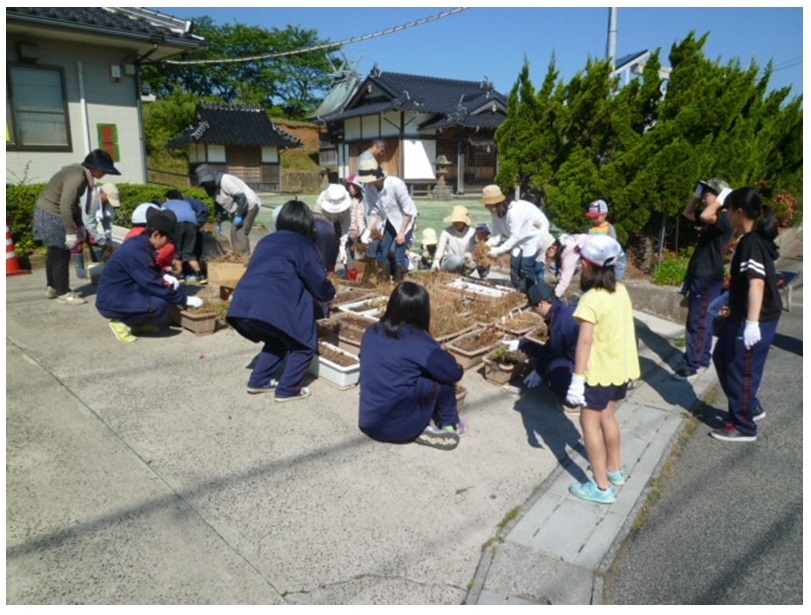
107, 102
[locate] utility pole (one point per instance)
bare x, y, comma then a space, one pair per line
611, 45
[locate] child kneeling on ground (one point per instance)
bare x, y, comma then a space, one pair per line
407, 381
606, 360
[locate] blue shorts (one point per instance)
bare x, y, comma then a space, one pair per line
597, 398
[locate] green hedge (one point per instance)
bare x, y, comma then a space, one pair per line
21, 200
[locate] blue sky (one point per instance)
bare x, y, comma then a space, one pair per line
493, 42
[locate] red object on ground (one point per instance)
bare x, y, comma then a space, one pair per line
12, 262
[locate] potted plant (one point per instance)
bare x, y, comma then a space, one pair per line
502, 365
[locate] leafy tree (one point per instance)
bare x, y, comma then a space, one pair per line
289, 85
643, 152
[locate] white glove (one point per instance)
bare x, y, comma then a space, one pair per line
435, 266
493, 241
71, 241
751, 333
171, 281
512, 345
365, 236
342, 255
494, 253
533, 379
576, 395
108, 235
194, 302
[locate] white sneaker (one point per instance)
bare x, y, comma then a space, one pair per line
70, 298
52, 293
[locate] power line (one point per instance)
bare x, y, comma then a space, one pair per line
348, 41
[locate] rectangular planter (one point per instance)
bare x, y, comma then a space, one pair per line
372, 309
199, 323
340, 376
351, 327
519, 323
348, 294
469, 358
478, 291
539, 335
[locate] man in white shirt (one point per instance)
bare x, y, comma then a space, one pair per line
518, 228
387, 198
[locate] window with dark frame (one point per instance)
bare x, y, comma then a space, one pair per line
36, 109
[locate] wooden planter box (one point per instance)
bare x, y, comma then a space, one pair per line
468, 355
338, 375
199, 323
502, 373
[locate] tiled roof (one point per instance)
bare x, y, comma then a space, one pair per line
453, 101
132, 21
221, 124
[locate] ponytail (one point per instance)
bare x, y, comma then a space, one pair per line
751, 203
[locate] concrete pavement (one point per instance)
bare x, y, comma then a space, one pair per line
143, 473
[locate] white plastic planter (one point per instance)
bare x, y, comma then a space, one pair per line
477, 290
340, 376
372, 312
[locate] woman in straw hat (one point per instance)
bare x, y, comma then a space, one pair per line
518, 227
336, 204
454, 252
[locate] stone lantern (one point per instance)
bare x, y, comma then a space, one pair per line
442, 191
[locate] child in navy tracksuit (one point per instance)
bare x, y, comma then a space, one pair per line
406, 379
554, 361
755, 307
276, 302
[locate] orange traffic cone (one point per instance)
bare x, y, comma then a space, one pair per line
12, 262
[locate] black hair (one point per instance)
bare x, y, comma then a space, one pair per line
604, 278
409, 304
750, 202
174, 194
296, 216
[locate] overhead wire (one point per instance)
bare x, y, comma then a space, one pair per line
331, 45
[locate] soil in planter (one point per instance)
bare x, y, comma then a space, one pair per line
483, 339
490, 311
539, 334
339, 358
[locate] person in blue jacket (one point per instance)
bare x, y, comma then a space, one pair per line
554, 361
134, 292
407, 381
275, 303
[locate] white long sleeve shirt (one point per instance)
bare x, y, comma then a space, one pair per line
229, 187
391, 202
569, 262
523, 226
453, 243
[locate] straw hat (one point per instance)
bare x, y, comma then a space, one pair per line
429, 237
369, 171
111, 190
334, 200
492, 195
459, 214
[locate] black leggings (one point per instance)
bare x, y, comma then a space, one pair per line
57, 269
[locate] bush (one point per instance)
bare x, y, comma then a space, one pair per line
672, 269
788, 209
21, 201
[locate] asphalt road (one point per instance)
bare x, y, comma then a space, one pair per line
728, 526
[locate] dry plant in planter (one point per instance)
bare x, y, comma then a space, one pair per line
339, 358
489, 311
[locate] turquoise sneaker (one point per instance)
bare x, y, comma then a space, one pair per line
591, 492
617, 478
